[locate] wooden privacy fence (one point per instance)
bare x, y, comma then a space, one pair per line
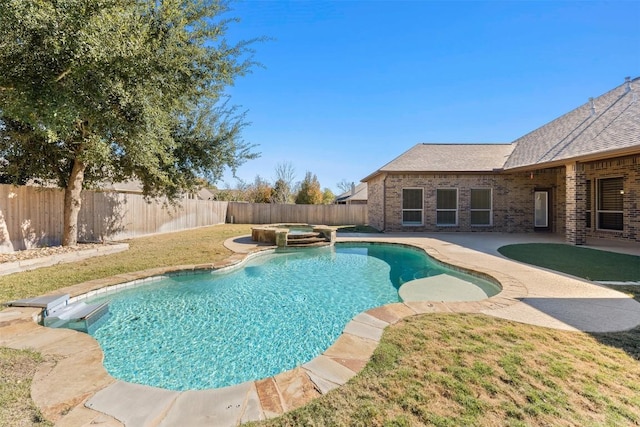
265, 213
33, 216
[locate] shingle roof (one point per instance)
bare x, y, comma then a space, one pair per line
449, 158
360, 193
608, 124
612, 124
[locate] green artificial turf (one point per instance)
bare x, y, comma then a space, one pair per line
587, 263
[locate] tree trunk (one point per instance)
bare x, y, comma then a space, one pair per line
72, 204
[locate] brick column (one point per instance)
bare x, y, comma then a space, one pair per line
576, 204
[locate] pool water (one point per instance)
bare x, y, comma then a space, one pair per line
297, 229
280, 310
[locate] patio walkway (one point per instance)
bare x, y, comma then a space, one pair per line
73, 389
552, 299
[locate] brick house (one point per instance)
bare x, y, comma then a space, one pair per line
578, 175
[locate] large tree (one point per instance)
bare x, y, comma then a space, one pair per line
328, 197
94, 90
285, 174
260, 191
309, 193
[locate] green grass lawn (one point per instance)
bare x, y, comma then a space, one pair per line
201, 245
17, 368
476, 370
587, 263
445, 369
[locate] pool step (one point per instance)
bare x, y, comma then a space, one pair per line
57, 312
78, 316
307, 240
309, 244
300, 236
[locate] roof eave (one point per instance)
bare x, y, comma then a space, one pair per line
495, 170
371, 176
602, 155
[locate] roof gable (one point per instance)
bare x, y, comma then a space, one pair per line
607, 123
603, 126
449, 158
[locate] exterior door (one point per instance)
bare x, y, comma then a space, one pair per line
541, 210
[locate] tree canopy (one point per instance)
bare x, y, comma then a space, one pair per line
310, 192
261, 191
94, 90
328, 197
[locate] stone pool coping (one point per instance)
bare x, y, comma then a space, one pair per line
72, 388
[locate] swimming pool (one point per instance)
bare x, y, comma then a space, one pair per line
278, 311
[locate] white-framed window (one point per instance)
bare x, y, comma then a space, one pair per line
481, 206
610, 200
447, 206
412, 206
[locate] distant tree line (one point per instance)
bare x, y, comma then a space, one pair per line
284, 189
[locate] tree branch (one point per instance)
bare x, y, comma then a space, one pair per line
63, 75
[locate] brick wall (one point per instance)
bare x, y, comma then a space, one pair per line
512, 197
375, 202
627, 168
575, 190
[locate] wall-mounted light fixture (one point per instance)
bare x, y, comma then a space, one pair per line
621, 191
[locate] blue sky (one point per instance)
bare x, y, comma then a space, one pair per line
347, 86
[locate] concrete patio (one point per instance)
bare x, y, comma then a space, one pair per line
73, 389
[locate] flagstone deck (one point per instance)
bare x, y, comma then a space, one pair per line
73, 389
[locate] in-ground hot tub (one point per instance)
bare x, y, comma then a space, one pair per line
283, 235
